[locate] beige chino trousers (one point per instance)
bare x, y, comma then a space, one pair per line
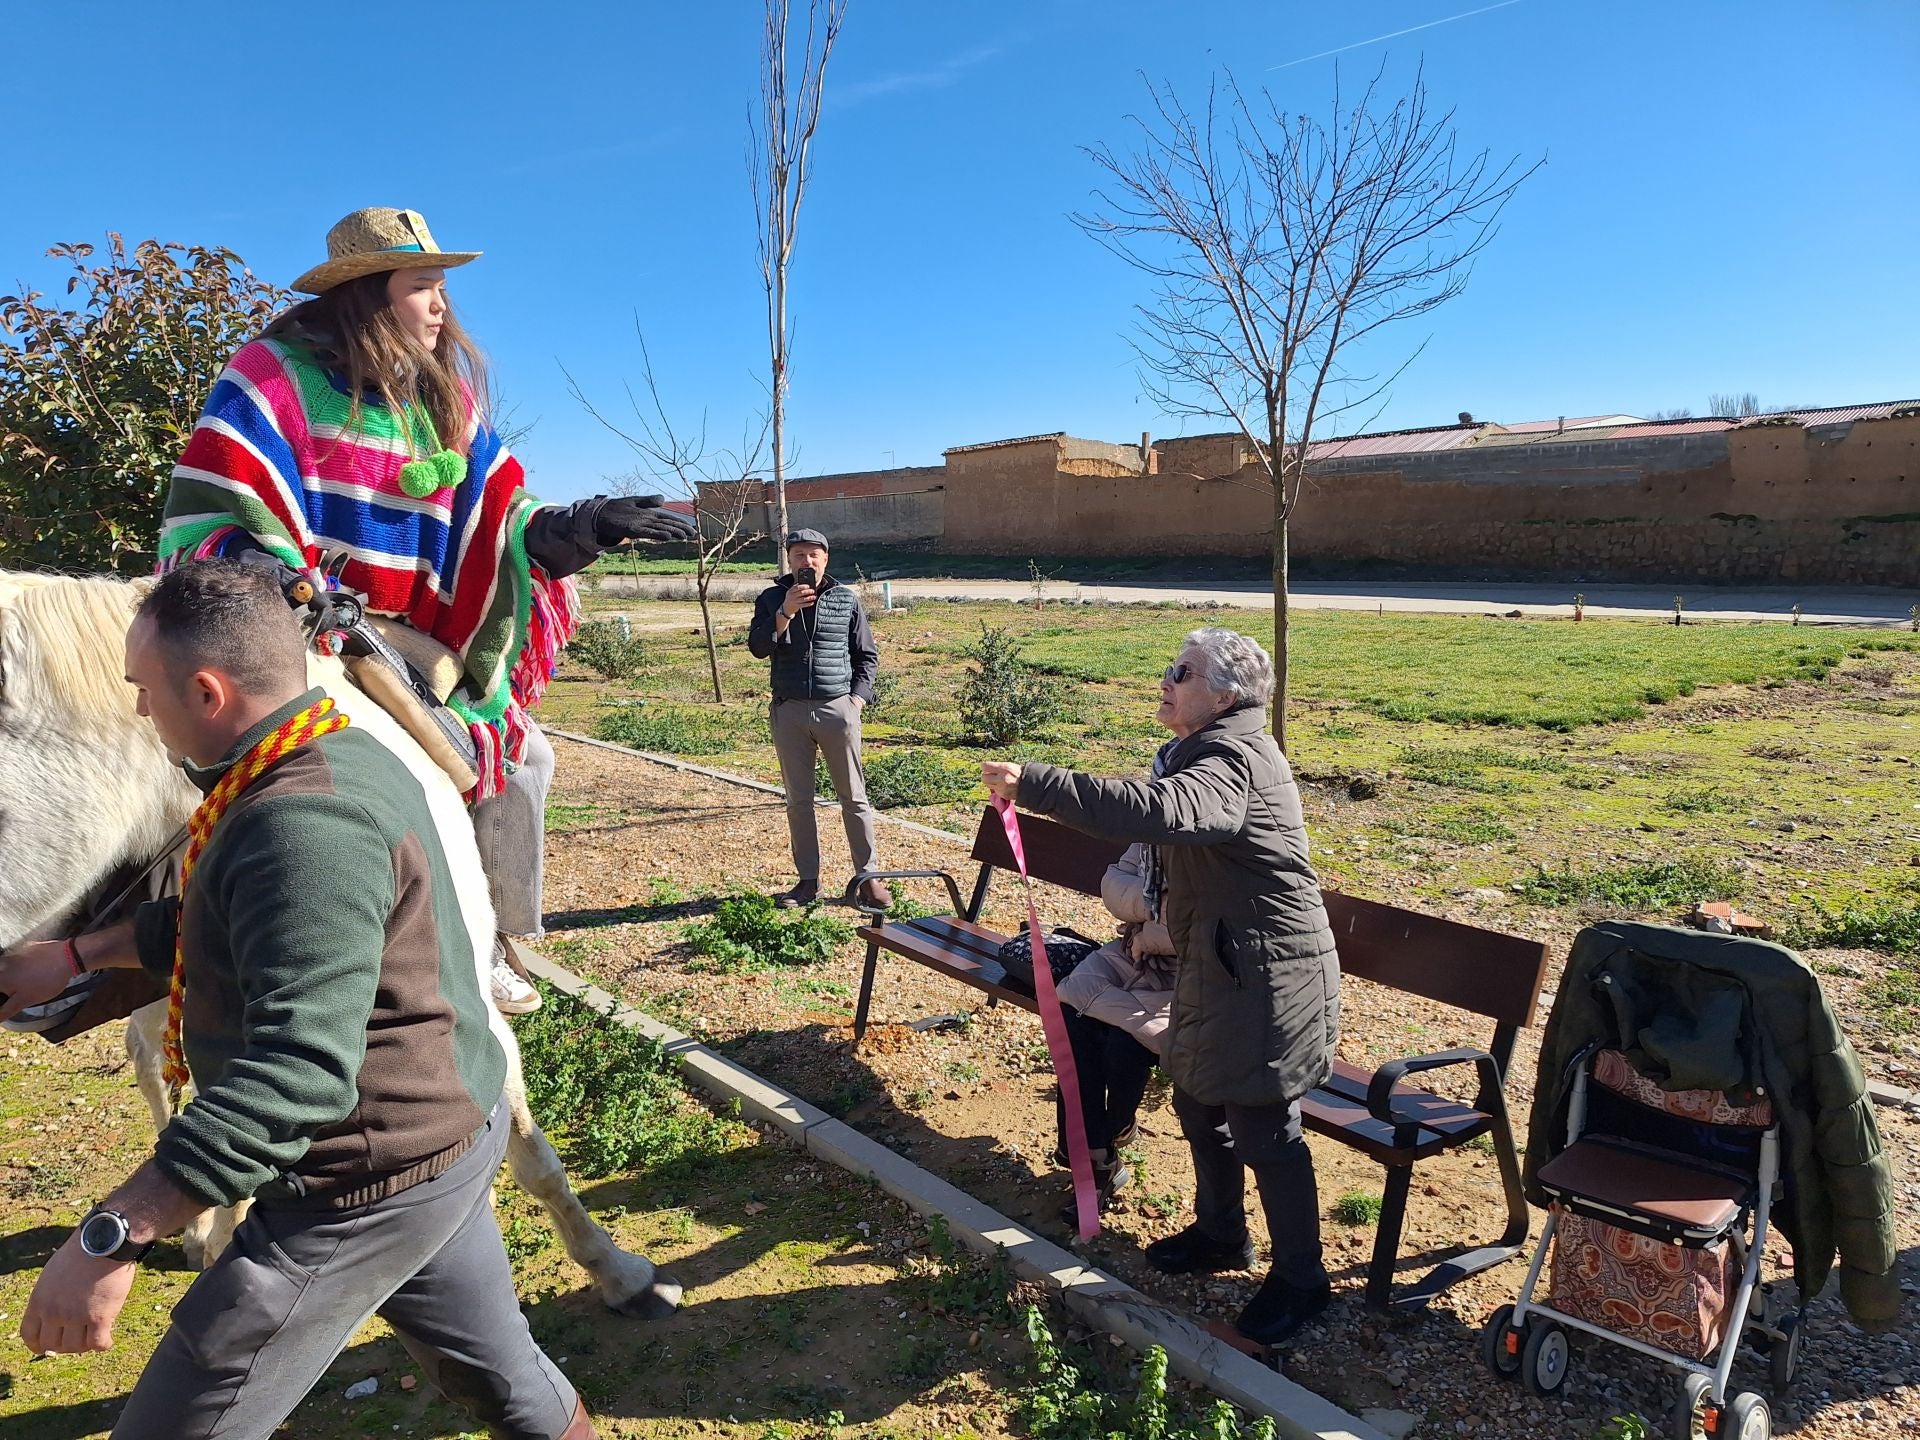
832, 729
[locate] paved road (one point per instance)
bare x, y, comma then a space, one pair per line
1880, 608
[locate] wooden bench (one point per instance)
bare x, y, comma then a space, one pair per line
1483, 972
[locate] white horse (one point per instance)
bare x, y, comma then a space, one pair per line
86, 788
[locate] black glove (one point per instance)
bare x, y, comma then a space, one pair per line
641, 518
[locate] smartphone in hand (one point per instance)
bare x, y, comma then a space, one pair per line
806, 576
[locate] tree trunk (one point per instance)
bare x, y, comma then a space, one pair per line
779, 329
702, 581
1281, 616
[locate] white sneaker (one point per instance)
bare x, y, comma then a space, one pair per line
511, 994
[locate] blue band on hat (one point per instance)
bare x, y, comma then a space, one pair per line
406, 247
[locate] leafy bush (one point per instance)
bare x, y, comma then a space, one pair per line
1640, 886
1358, 1207
97, 401
750, 931
1003, 698
607, 650
663, 727
1063, 1401
610, 1099
914, 777
1889, 926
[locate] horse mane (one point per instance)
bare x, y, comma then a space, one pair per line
62, 645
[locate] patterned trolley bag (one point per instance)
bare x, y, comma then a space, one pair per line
1674, 1296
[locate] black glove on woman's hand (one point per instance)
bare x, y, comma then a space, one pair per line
642, 518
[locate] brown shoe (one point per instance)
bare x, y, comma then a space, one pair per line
874, 895
805, 893
582, 1427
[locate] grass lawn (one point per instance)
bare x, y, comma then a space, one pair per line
1560, 764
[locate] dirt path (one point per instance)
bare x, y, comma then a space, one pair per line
643, 844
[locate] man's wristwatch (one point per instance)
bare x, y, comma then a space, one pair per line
105, 1235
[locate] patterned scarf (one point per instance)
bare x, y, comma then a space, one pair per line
1152, 878
316, 720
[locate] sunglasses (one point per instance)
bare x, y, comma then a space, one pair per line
1174, 674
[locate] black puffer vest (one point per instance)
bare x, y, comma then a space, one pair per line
816, 663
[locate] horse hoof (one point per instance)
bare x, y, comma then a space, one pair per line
656, 1302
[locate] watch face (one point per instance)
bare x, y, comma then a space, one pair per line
103, 1233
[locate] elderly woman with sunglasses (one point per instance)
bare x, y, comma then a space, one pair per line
1257, 983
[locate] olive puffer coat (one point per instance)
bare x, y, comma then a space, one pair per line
1256, 1005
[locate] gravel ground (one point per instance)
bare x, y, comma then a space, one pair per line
636, 846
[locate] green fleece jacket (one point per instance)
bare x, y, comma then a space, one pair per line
333, 1022
1715, 1012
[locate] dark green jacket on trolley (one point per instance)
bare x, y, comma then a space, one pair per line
1256, 991
1696, 1011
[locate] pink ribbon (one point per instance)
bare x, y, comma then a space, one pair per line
1085, 1197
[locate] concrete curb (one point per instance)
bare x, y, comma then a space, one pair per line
1094, 1296
751, 784
1882, 1093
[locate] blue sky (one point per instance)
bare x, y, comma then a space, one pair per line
1728, 201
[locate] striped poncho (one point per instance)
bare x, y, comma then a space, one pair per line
272, 462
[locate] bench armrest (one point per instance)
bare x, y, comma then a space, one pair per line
1380, 1088
853, 887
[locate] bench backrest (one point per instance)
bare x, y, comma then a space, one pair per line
1055, 853
1487, 972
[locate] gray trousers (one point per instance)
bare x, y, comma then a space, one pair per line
1227, 1141
832, 727
254, 1333
512, 830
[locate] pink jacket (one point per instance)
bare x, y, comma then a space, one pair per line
1128, 982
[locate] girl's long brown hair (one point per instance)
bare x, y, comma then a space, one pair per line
352, 330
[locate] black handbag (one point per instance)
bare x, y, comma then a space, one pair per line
1065, 949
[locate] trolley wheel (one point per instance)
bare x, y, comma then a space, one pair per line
1747, 1418
1686, 1410
1783, 1359
1543, 1361
1500, 1344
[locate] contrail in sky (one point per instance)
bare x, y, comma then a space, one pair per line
1395, 35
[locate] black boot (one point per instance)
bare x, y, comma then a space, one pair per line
1278, 1309
1110, 1176
1192, 1250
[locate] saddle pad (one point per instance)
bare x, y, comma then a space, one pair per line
437, 665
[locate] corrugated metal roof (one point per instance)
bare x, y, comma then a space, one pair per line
1671, 427
1568, 422
996, 444
1397, 442
1833, 414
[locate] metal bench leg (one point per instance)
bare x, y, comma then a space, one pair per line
1386, 1238
866, 993
1510, 1244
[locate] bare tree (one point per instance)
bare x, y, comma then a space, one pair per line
779, 164
1734, 407
1279, 244
1678, 412
720, 482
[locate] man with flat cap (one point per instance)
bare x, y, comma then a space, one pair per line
815, 632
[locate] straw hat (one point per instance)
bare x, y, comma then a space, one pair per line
375, 239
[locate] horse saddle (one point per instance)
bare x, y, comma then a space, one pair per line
410, 676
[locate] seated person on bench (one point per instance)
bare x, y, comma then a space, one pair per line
1256, 979
1118, 999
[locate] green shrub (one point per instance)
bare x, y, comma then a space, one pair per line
750, 931
675, 730
1003, 698
1641, 886
97, 398
606, 649
915, 777
1889, 926
1064, 1400
1358, 1207
610, 1099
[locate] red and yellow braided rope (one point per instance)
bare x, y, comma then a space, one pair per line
310, 724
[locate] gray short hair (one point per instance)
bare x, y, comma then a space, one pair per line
1235, 663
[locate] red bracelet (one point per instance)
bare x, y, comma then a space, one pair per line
73, 958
